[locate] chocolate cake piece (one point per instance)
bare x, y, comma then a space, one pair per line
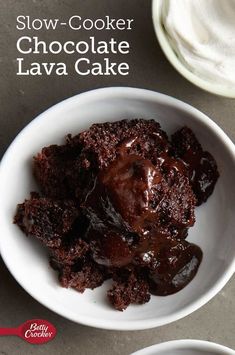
103, 141
46, 219
68, 252
56, 169
74, 246
201, 166
85, 273
205, 177
183, 141
67, 171
178, 204
128, 287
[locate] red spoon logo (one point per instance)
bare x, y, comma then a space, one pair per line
34, 331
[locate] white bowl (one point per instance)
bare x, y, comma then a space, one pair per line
186, 347
215, 223
173, 58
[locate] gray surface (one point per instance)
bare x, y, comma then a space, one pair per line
22, 98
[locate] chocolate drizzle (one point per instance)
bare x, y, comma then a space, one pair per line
133, 219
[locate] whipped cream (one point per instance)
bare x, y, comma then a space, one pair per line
202, 33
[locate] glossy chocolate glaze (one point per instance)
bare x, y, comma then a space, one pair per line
200, 165
125, 209
173, 266
202, 172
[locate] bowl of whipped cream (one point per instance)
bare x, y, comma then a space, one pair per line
198, 38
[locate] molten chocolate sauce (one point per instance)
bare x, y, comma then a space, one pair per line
125, 226
202, 172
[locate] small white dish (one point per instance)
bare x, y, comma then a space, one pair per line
177, 63
214, 230
186, 347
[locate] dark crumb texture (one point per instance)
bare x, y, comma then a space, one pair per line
129, 287
47, 219
201, 166
116, 201
81, 275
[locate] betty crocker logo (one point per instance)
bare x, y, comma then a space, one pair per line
34, 331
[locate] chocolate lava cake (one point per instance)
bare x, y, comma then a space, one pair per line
116, 201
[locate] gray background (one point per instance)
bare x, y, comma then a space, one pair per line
22, 98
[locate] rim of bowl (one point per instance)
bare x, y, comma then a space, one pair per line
127, 92
175, 61
185, 344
